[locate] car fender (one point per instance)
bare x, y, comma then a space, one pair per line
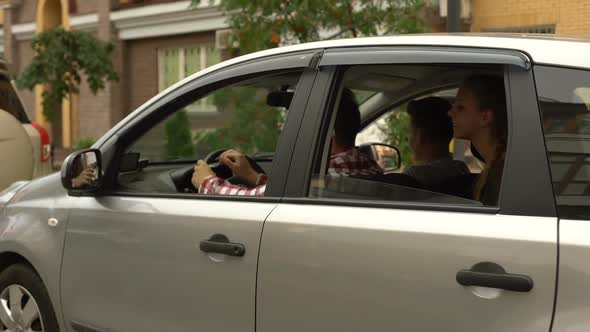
33, 226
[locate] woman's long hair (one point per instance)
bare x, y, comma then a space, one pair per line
491, 95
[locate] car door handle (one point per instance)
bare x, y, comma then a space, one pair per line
219, 243
481, 275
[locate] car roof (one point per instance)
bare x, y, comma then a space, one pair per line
542, 48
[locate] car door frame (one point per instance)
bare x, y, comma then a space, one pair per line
525, 142
527, 163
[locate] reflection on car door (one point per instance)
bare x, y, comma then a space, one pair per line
379, 269
134, 264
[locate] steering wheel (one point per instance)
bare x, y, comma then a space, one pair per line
182, 178
225, 172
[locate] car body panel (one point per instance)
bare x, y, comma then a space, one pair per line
572, 308
25, 231
142, 259
347, 269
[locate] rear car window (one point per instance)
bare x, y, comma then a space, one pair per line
564, 101
407, 152
9, 101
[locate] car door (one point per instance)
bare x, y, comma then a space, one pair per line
563, 100
135, 256
413, 260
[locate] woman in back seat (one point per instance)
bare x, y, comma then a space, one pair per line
479, 114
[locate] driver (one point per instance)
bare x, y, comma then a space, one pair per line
345, 158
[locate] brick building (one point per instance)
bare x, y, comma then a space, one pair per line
519, 16
157, 42
160, 41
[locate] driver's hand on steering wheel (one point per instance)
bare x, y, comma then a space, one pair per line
202, 170
239, 165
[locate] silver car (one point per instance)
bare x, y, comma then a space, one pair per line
123, 239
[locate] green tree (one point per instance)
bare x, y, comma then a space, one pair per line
84, 143
61, 57
254, 126
396, 128
178, 143
262, 24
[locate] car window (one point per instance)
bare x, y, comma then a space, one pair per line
564, 100
10, 102
416, 143
392, 127
246, 116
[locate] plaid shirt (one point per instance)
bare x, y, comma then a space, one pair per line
213, 185
352, 162
349, 162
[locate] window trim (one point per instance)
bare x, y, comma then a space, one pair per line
234, 198
425, 55
519, 85
113, 146
395, 205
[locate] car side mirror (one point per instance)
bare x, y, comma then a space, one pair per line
386, 156
81, 172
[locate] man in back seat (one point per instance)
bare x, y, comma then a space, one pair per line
431, 131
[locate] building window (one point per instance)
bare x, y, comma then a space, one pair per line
177, 63
542, 28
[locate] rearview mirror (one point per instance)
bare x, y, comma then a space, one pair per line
386, 156
81, 172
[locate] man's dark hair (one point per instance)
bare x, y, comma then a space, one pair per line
348, 119
431, 116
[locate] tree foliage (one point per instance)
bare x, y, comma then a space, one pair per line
262, 24
254, 126
178, 142
396, 128
61, 58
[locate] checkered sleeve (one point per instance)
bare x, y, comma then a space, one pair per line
213, 185
352, 163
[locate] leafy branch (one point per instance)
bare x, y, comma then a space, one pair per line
61, 58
